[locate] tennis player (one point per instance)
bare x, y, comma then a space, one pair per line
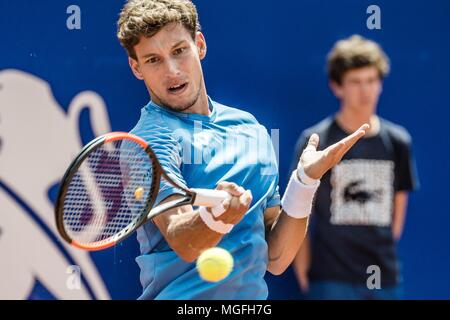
202, 143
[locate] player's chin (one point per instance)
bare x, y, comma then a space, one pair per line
181, 102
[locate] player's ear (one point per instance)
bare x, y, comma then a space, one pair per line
201, 45
336, 88
134, 65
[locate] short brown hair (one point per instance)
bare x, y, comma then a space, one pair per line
146, 17
355, 52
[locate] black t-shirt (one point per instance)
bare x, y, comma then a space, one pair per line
352, 213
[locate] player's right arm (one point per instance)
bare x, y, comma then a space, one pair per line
186, 232
183, 228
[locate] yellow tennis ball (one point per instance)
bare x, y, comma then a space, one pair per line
138, 193
214, 264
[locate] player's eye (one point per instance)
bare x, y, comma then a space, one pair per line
179, 51
152, 60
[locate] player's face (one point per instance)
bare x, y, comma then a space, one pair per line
360, 89
169, 64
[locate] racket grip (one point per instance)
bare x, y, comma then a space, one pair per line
209, 198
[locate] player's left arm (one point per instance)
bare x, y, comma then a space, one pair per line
285, 230
284, 236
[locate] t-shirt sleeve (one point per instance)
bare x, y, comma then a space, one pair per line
274, 199
406, 176
168, 152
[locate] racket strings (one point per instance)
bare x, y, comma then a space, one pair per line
108, 193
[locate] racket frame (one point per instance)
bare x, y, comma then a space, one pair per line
73, 168
147, 213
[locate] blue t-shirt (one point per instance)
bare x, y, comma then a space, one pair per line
199, 151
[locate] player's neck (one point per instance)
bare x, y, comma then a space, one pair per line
201, 106
350, 121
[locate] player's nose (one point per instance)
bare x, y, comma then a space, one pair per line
172, 69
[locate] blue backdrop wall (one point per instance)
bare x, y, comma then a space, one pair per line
266, 57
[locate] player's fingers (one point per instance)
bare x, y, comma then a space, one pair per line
246, 198
334, 149
231, 188
349, 144
339, 149
219, 209
365, 127
355, 136
313, 142
225, 205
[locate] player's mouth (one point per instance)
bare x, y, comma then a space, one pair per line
178, 88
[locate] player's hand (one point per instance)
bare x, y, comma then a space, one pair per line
317, 163
236, 206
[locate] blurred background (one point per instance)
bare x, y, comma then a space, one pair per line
61, 87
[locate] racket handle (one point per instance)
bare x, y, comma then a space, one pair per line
209, 198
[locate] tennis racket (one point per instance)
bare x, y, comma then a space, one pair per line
110, 188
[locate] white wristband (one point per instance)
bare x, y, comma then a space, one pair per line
298, 197
215, 225
304, 178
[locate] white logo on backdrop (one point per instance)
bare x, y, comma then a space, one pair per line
38, 140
